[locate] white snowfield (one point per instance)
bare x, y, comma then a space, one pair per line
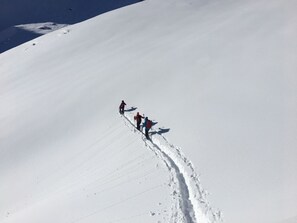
218, 78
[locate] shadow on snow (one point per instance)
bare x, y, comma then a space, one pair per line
131, 109
160, 131
61, 12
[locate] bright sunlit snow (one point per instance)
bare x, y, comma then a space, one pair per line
218, 79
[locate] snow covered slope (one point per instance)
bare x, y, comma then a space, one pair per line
218, 76
21, 21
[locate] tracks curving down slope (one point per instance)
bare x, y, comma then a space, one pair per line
189, 204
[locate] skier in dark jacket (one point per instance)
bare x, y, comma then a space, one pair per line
122, 107
147, 124
138, 118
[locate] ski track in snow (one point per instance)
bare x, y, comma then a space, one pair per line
189, 198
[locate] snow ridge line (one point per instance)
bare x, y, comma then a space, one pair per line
185, 183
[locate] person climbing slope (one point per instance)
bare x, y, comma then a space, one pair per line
147, 124
138, 118
122, 107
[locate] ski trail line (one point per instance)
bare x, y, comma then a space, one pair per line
191, 205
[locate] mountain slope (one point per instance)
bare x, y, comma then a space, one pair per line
219, 75
32, 18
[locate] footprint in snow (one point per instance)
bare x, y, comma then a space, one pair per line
152, 213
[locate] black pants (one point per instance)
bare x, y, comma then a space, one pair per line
138, 125
146, 133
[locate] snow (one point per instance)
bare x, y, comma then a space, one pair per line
28, 15
218, 76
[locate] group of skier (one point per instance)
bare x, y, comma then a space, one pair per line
146, 125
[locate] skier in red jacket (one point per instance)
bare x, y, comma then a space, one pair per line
138, 118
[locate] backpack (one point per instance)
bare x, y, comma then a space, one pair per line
149, 124
137, 118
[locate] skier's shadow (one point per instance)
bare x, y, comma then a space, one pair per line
131, 109
160, 131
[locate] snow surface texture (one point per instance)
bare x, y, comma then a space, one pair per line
21, 21
221, 75
190, 203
